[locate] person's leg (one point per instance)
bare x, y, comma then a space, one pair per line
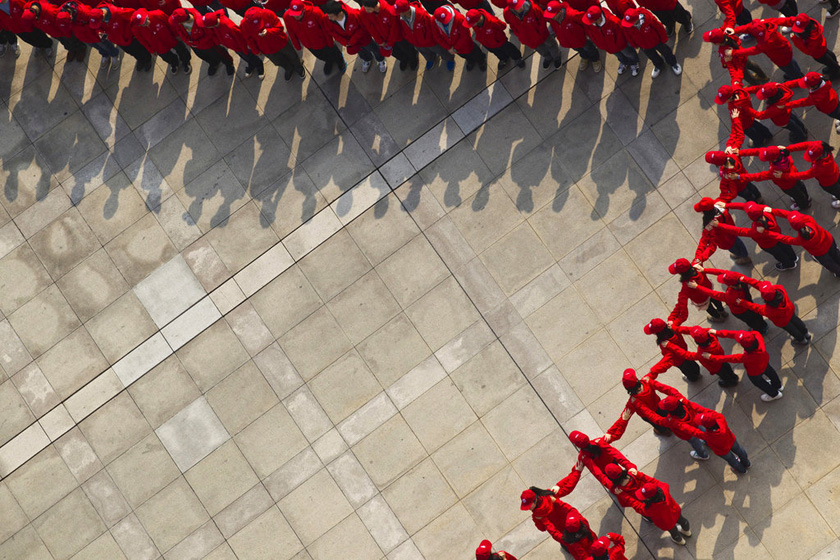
406, 54
683, 522
211, 57
171, 58
829, 59
429, 54
631, 55
798, 132
682, 16
716, 309
797, 329
799, 194
789, 9
753, 320
738, 249
667, 54
741, 453
699, 448
292, 58
763, 384
136, 50
511, 51
773, 377
183, 54
366, 52
654, 57
37, 39
667, 19
792, 71
744, 17
475, 57
726, 376
734, 462
784, 254
590, 52
750, 193
690, 369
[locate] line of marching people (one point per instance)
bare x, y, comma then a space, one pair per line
278, 30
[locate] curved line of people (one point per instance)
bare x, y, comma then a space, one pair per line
658, 404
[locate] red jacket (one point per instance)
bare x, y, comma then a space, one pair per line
456, 35
770, 42
820, 241
228, 34
680, 312
712, 346
46, 21
157, 37
256, 21
608, 454
417, 26
780, 315
116, 25
198, 36
529, 27
824, 98
383, 26
664, 513
714, 237
311, 30
671, 353
730, 10
491, 34
812, 44
616, 551
763, 239
778, 112
12, 21
618, 7
165, 6
80, 26
721, 440
609, 37
571, 32
755, 361
824, 170
353, 35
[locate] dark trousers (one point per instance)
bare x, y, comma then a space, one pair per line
431, 53
682, 522
783, 253
589, 52
799, 194
107, 49
406, 54
508, 51
678, 15
180, 55
768, 381
753, 320
789, 9
744, 17
798, 132
214, 56
792, 71
74, 45
833, 190
738, 249
138, 51
796, 328
252, 61
287, 58
330, 55
37, 39
831, 259
715, 309
759, 134
666, 52
475, 56
628, 56
750, 193
371, 51
690, 369
7, 37
829, 59
726, 375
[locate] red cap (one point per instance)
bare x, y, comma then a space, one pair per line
800, 23
63, 18
553, 7
705, 203
770, 153
444, 14
573, 521
629, 378
754, 210
756, 28
648, 490
767, 91
797, 220
767, 290
812, 79
579, 439
707, 420
699, 334
210, 19
669, 403
729, 278
402, 6
295, 9
716, 157
714, 36
139, 17
679, 266
613, 471
484, 550
527, 498
655, 326
180, 15
723, 94
814, 153
593, 15
599, 547
516, 4
631, 16
472, 17
95, 18
28, 16
746, 339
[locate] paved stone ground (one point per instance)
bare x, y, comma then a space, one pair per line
189, 371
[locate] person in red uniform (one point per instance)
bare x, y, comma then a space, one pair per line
228, 35
527, 22
452, 33
165, 6
670, 12
778, 158
658, 505
381, 20
740, 107
485, 552
647, 33
820, 94
609, 547
737, 290
734, 13
307, 26
577, 536
713, 237
812, 237
568, 27
643, 401
151, 28
489, 32
778, 308
690, 275
771, 43
707, 343
44, 16
775, 97
730, 167
238, 6
807, 36
669, 341
74, 18
604, 28
115, 24
596, 454
756, 362
13, 22
265, 34
677, 413
823, 168
347, 28
188, 25
762, 225
739, 65
418, 28
623, 483
722, 442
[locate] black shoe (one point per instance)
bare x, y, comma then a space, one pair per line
558, 63
213, 69
403, 64
502, 64
187, 68
301, 72
138, 67
415, 64
726, 384
288, 75
546, 62
148, 65
669, 30
230, 69
689, 27
470, 66
173, 69
328, 67
483, 66
833, 12
521, 63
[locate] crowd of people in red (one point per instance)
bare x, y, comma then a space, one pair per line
663, 407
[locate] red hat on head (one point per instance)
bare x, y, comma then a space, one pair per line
553, 7
669, 403
484, 550
516, 4
472, 17
754, 210
723, 94
579, 439
767, 290
648, 490
63, 18
444, 15
716, 157
746, 339
211, 19
756, 28
812, 79
655, 326
593, 15
699, 334
613, 471
813, 153
770, 153
800, 23
629, 378
295, 9
180, 15
714, 36
599, 547
139, 16
767, 91
705, 203
527, 498
95, 18
729, 278
573, 522
28, 16
797, 220
631, 16
679, 266
402, 6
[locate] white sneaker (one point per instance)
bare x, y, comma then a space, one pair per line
677, 69
767, 398
678, 539
697, 457
837, 126
685, 532
622, 68
366, 65
634, 70
383, 67
655, 72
